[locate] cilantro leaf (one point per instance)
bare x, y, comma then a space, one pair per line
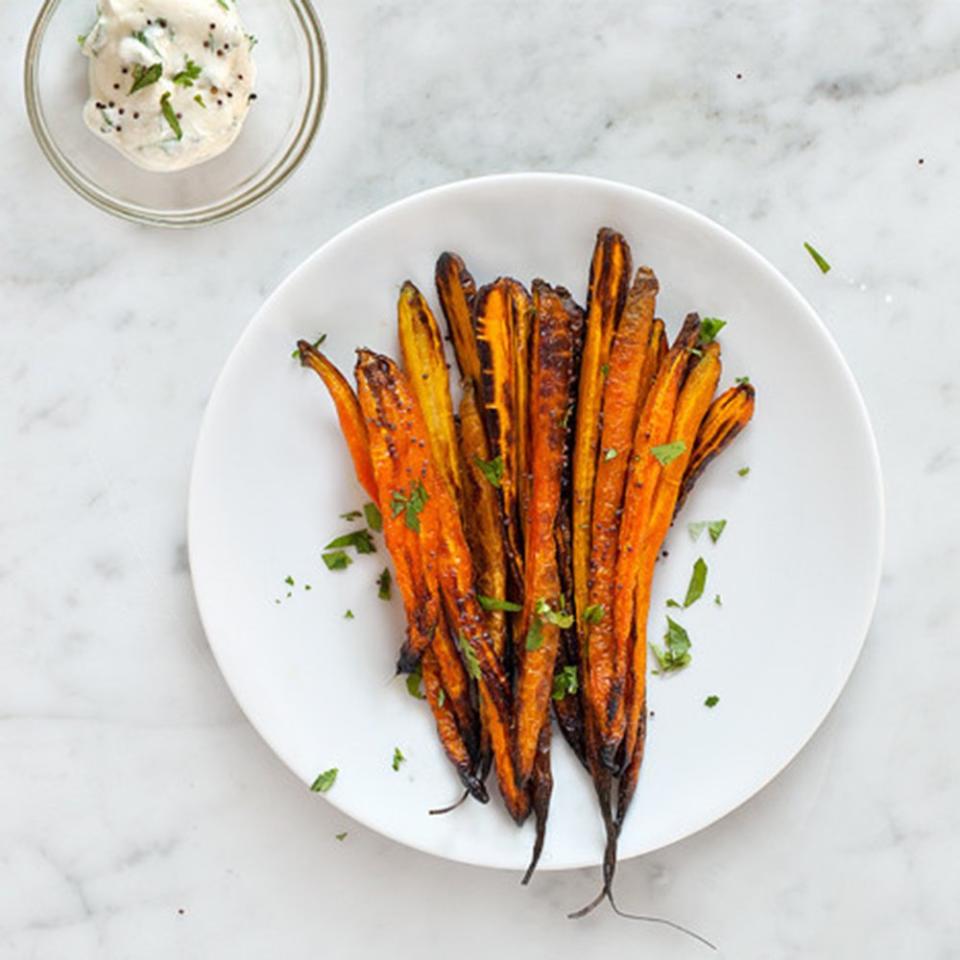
559, 618
676, 653
491, 469
495, 603
673, 603
610, 454
594, 613
668, 452
398, 758
817, 258
316, 343
288, 580
605, 370
337, 560
696, 529
170, 115
565, 681
199, 99
383, 584
534, 640
410, 505
373, 517
414, 685
715, 528
709, 328
188, 74
341, 836
718, 601
740, 381
325, 780
711, 701
743, 471
469, 656
698, 580
360, 540
348, 615
351, 515
441, 697
145, 76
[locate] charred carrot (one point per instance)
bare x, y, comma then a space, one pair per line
348, 413
727, 416
457, 292
624, 392
555, 331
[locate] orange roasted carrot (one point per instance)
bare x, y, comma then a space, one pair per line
727, 416
400, 454
555, 331
457, 292
691, 407
481, 513
653, 430
523, 323
428, 509
610, 271
624, 393
421, 345
348, 413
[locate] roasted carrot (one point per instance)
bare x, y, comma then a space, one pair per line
494, 323
555, 330
727, 416
348, 413
447, 729
541, 789
691, 407
400, 454
610, 271
523, 322
421, 345
653, 430
624, 392
457, 292
481, 513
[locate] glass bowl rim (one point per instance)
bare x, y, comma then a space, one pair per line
269, 181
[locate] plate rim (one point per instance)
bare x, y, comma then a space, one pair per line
877, 491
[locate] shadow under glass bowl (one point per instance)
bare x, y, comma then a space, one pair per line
279, 129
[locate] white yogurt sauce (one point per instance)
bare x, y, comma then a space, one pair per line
170, 80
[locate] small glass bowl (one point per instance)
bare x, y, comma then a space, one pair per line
291, 88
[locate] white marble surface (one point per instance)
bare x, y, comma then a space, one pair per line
141, 817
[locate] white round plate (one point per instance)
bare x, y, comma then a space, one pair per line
797, 566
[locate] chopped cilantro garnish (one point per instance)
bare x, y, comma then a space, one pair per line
188, 74
565, 681
675, 655
348, 615
373, 517
341, 836
673, 603
559, 618
711, 701
360, 540
383, 584
495, 603
337, 560
351, 515
316, 343
740, 381
223, 3
817, 258
668, 452
441, 697
698, 580
594, 613
491, 469
469, 656
288, 580
610, 454
534, 639
605, 370
410, 505
170, 115
709, 328
715, 528
145, 76
199, 99
414, 685
718, 601
743, 471
325, 781
398, 758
